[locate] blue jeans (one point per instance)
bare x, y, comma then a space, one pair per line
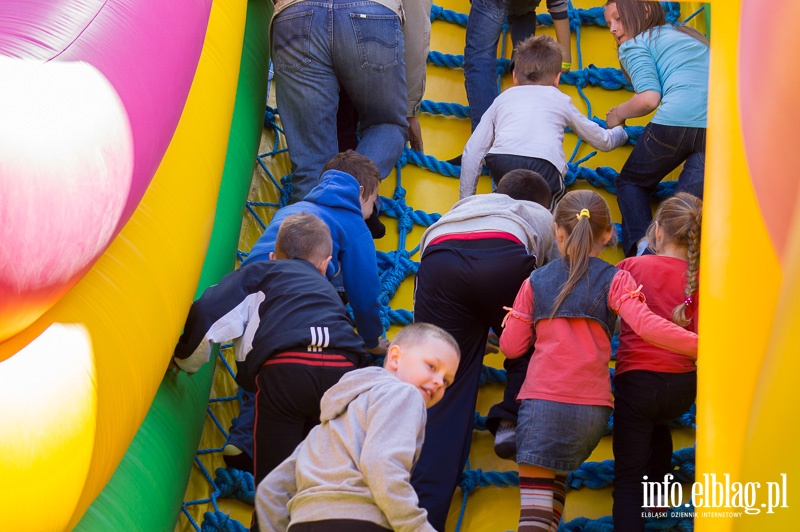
484, 26
645, 401
659, 151
241, 431
559, 436
367, 60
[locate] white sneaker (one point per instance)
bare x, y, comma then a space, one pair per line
505, 440
641, 247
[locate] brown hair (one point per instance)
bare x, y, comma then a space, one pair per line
303, 236
586, 218
419, 332
359, 166
638, 16
680, 218
523, 184
537, 60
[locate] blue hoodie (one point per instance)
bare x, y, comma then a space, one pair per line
336, 201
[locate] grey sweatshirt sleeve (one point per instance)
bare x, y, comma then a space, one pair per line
394, 433
541, 222
273, 495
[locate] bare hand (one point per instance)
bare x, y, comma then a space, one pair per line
414, 133
613, 118
173, 369
381, 348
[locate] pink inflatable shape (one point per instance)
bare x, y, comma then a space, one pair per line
768, 93
148, 51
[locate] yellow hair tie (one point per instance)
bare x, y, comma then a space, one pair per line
584, 212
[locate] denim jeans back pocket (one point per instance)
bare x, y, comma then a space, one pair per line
663, 147
378, 39
496, 9
291, 42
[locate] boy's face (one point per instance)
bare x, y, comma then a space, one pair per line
368, 203
429, 365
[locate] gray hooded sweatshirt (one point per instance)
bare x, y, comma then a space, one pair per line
357, 463
531, 223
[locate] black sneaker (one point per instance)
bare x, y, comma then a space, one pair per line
455, 161
505, 440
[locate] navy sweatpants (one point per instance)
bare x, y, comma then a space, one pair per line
290, 387
462, 286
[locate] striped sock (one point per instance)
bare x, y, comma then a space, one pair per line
559, 496
536, 504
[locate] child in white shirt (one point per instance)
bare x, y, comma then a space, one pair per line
524, 127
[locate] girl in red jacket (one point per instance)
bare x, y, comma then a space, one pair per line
652, 385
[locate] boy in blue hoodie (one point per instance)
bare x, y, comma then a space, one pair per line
343, 199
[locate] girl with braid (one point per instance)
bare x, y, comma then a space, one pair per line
567, 311
653, 385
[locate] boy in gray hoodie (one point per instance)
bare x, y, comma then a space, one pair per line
352, 472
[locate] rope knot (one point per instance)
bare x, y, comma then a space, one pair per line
220, 522
403, 160
269, 117
237, 484
470, 480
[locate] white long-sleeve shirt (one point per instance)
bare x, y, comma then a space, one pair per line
529, 120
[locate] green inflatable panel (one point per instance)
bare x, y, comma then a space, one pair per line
146, 491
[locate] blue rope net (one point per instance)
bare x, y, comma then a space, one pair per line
395, 266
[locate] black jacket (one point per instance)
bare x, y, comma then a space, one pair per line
268, 307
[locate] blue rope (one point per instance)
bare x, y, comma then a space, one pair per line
447, 15
690, 17
221, 522
237, 484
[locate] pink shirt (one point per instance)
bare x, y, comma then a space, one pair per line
664, 279
570, 362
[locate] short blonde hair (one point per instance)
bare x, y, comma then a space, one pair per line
419, 332
303, 236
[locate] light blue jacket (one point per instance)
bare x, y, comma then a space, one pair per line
675, 65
